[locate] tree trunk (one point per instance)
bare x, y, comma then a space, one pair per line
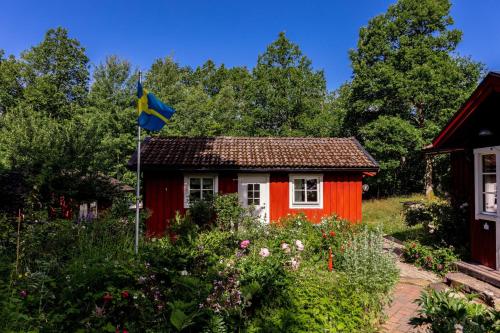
429, 191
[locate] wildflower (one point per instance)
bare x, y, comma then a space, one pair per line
184, 273
324, 235
244, 244
332, 233
107, 297
285, 247
141, 279
264, 252
124, 330
299, 245
23, 293
125, 294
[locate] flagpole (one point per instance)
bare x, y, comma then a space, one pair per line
138, 189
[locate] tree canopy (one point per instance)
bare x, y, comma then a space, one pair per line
57, 125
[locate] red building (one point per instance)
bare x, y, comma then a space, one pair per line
276, 176
472, 138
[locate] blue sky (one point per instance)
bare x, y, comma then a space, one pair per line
230, 32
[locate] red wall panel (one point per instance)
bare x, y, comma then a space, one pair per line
341, 196
164, 196
482, 242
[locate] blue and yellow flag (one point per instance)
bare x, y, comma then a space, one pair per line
153, 114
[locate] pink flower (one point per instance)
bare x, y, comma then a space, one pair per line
23, 293
285, 247
264, 252
299, 245
244, 244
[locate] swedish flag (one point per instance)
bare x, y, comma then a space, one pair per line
153, 114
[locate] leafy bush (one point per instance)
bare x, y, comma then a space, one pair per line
229, 213
445, 225
447, 312
438, 260
366, 264
215, 278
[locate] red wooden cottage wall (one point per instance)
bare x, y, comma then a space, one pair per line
164, 196
483, 245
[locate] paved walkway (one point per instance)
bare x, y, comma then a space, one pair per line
412, 282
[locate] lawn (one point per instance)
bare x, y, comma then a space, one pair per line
387, 214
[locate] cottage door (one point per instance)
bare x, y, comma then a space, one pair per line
253, 191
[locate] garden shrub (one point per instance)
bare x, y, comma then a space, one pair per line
448, 312
445, 225
366, 264
229, 213
440, 260
236, 274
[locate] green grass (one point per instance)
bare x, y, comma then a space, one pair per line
387, 214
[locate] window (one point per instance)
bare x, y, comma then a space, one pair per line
253, 194
199, 187
486, 169
306, 191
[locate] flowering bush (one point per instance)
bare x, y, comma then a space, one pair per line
438, 260
237, 274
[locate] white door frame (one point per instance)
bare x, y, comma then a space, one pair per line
255, 178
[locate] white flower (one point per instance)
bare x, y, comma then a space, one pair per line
285, 247
264, 252
184, 273
295, 263
299, 245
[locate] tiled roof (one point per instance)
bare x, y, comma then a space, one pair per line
254, 153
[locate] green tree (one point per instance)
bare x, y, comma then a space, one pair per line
406, 66
11, 83
56, 74
396, 144
113, 116
286, 90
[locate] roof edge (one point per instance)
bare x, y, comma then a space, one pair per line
483, 90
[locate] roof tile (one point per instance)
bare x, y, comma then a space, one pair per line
249, 153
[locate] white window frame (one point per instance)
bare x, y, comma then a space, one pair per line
478, 183
187, 182
291, 187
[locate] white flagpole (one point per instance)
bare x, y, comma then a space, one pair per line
138, 189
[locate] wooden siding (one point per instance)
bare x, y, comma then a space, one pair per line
164, 195
341, 196
482, 242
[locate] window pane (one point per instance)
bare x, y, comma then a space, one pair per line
299, 184
250, 201
489, 202
194, 195
194, 183
207, 194
489, 163
312, 184
490, 183
256, 187
312, 196
300, 196
208, 183
256, 201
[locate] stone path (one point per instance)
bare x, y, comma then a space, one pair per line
412, 282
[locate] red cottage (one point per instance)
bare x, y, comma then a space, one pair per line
278, 176
472, 138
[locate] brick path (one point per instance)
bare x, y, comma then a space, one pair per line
412, 282
402, 309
